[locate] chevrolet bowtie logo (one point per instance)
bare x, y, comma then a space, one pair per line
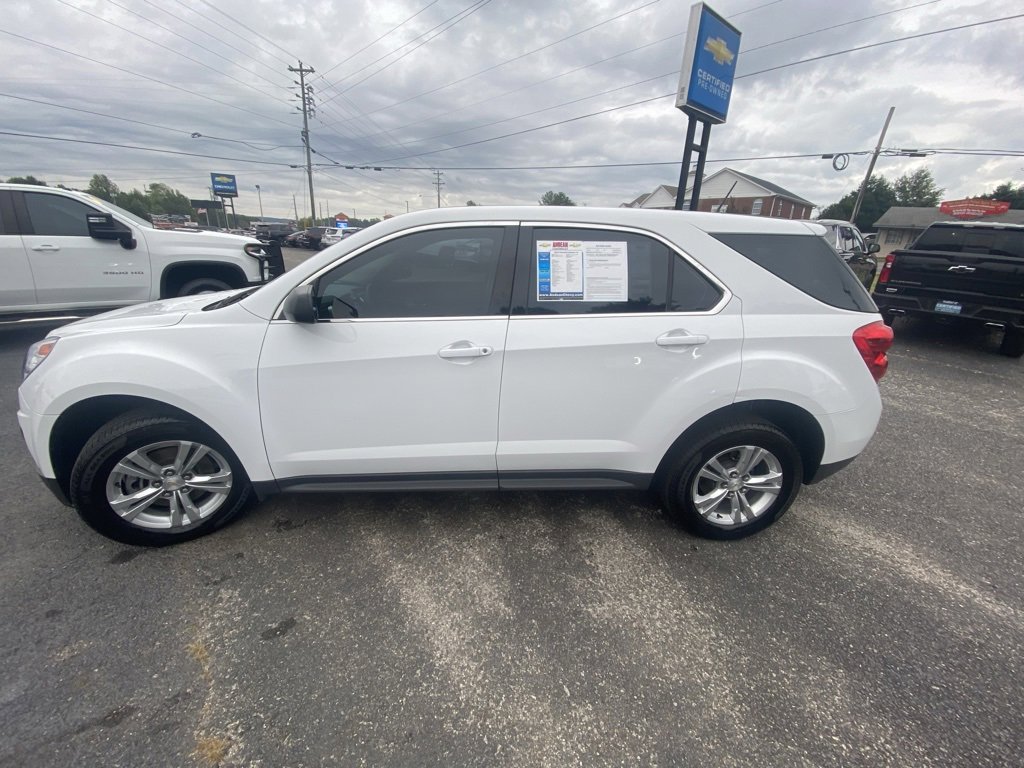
719, 50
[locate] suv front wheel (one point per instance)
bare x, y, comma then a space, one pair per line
152, 479
734, 482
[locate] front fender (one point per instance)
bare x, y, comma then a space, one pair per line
206, 370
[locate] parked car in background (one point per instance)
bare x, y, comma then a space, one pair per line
969, 273
273, 232
856, 251
722, 361
335, 235
69, 252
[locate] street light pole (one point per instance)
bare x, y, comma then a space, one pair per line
260, 196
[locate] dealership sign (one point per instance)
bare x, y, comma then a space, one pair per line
973, 208
709, 65
224, 185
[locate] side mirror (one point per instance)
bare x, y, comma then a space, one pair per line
300, 306
103, 227
874, 247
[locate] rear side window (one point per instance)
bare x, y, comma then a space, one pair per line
998, 242
588, 271
806, 262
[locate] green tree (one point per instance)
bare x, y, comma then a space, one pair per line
1006, 191
879, 197
556, 198
26, 180
160, 198
134, 201
917, 189
102, 187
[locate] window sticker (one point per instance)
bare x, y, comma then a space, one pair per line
582, 270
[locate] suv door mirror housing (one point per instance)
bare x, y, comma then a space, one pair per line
300, 305
103, 227
874, 247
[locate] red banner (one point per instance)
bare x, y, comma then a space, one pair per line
973, 208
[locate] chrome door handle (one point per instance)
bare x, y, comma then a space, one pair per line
463, 349
680, 338
45, 247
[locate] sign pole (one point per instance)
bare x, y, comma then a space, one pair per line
705, 88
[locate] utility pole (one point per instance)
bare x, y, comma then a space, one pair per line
306, 97
871, 167
295, 207
438, 183
260, 196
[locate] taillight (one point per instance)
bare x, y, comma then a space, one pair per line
873, 341
887, 268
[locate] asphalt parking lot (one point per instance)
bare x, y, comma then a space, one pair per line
880, 622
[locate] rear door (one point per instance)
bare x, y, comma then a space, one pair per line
616, 343
17, 291
72, 269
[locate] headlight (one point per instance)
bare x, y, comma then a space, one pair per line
36, 354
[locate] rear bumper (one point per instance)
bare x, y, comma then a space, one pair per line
827, 470
972, 311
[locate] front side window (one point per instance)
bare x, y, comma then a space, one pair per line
57, 216
438, 273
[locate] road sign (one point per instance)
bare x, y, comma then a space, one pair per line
709, 65
224, 185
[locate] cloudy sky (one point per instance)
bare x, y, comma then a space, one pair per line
473, 88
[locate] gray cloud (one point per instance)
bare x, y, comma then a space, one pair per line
960, 89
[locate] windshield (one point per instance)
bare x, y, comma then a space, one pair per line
121, 212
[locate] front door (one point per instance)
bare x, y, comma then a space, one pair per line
399, 378
72, 269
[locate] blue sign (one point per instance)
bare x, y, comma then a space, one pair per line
224, 185
709, 65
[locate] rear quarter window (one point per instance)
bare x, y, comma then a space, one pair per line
807, 263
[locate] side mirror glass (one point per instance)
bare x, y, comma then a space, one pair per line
103, 227
300, 305
874, 247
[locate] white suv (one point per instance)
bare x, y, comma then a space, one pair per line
719, 360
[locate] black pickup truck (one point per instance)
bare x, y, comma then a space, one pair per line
968, 272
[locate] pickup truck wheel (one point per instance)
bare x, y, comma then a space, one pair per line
735, 482
1013, 343
203, 285
155, 480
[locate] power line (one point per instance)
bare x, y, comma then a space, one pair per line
218, 25
524, 55
172, 50
374, 42
260, 35
465, 14
143, 149
738, 77
192, 41
647, 45
191, 92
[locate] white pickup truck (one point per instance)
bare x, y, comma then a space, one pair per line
66, 252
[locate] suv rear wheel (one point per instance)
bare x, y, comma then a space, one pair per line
153, 480
734, 482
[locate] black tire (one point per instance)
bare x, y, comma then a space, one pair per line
203, 285
683, 479
1013, 343
114, 442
